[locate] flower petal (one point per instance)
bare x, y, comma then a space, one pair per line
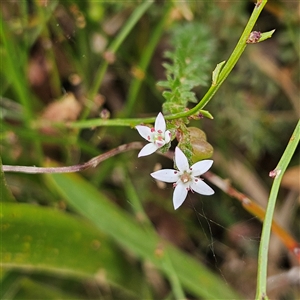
166, 175
201, 187
181, 160
201, 167
167, 136
179, 195
160, 123
148, 149
145, 132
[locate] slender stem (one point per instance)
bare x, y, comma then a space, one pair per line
92, 163
173, 277
255, 210
136, 15
234, 57
144, 62
130, 122
141, 215
18, 78
261, 292
135, 201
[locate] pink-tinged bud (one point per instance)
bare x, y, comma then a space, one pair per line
254, 37
274, 173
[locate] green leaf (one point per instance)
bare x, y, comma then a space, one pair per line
216, 72
48, 240
266, 35
30, 289
193, 46
127, 232
10, 283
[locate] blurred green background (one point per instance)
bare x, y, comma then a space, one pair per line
111, 232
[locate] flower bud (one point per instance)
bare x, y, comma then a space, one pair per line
201, 148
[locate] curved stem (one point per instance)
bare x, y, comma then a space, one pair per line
234, 57
255, 210
261, 292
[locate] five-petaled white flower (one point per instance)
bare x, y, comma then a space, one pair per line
157, 136
185, 179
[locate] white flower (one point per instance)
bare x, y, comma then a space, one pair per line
186, 178
157, 136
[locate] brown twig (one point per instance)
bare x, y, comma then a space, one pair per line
92, 163
222, 184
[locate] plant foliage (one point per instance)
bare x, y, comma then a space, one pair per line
188, 67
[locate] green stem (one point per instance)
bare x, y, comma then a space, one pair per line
234, 57
16, 73
237, 52
173, 277
135, 201
261, 292
144, 62
141, 215
136, 15
17, 76
130, 122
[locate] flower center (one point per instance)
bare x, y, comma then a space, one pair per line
158, 138
185, 177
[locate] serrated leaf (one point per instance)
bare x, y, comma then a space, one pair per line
189, 62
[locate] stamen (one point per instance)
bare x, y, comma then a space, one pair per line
185, 177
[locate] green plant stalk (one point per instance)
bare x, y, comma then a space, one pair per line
173, 278
261, 291
24, 21
234, 57
144, 62
55, 82
79, 65
136, 15
19, 82
129, 122
128, 233
136, 204
143, 218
